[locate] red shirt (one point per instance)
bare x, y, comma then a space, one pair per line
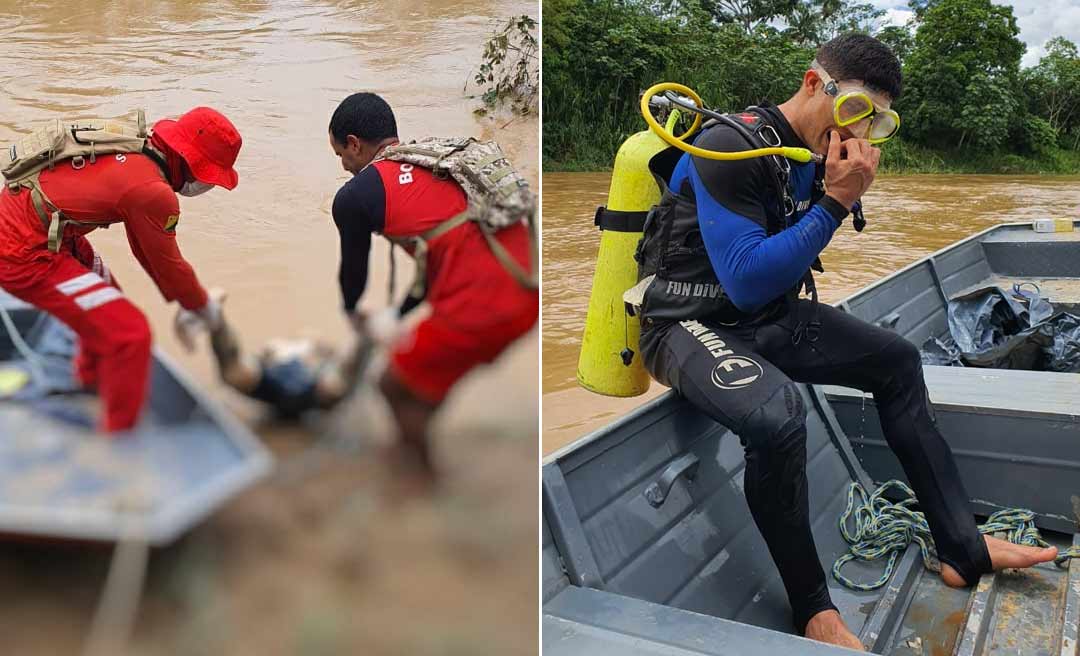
128, 188
465, 281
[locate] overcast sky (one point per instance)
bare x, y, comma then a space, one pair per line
1038, 20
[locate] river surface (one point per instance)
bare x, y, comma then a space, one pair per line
908, 217
266, 576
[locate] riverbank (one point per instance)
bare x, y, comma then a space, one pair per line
898, 158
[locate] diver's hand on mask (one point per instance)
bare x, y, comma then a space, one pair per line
188, 323
849, 169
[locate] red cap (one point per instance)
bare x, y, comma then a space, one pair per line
207, 141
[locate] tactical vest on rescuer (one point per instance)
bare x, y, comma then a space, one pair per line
498, 197
676, 280
81, 142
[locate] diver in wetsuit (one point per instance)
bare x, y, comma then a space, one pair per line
722, 262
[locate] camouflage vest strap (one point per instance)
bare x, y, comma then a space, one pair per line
523, 277
51, 217
80, 143
498, 197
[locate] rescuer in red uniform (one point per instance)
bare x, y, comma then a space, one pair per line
188, 156
477, 307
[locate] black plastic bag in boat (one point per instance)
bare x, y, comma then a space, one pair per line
941, 352
996, 329
1064, 349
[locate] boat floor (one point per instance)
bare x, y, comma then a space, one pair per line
734, 603
1026, 612
61, 478
1032, 611
65, 480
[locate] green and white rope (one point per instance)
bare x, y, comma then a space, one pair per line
883, 528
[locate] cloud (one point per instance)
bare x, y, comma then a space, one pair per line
1041, 20
895, 16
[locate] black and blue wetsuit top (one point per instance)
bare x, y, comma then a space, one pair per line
359, 210
734, 200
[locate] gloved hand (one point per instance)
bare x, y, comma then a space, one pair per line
188, 323
383, 326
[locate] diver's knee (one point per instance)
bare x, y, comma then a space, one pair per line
902, 387
903, 359
776, 423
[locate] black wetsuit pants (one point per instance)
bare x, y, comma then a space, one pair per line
742, 377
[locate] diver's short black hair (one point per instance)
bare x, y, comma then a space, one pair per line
856, 56
364, 115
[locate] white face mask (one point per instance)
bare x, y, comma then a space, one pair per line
194, 188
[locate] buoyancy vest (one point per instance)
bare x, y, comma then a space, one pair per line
676, 279
498, 197
80, 143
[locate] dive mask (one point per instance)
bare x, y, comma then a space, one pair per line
853, 105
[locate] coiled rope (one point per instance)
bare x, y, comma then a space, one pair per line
883, 528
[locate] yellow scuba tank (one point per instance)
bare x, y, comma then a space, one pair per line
609, 362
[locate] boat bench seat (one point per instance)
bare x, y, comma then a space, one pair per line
582, 622
993, 391
1017, 251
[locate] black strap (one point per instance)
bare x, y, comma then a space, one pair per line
619, 221
858, 221
809, 330
158, 159
819, 184
778, 178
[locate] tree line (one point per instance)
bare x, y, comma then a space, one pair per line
967, 103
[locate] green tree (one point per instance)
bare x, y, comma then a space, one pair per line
1052, 87
748, 14
962, 75
600, 55
920, 7
899, 39
812, 22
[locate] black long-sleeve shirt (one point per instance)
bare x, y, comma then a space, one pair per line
359, 210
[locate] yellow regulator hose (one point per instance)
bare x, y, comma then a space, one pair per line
797, 154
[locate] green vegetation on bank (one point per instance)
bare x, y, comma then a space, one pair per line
967, 104
900, 157
509, 70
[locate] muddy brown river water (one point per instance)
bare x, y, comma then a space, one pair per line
908, 217
329, 566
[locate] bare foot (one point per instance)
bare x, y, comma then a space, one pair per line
1003, 555
828, 627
